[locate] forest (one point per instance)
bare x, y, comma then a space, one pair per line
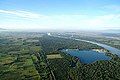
70, 68
26, 58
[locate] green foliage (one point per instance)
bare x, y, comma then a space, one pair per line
16, 63
50, 44
24, 58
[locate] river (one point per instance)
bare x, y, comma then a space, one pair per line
111, 49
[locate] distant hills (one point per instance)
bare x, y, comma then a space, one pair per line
111, 31
2, 29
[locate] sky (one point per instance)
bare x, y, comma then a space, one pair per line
60, 14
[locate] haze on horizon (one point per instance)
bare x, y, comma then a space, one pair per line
60, 14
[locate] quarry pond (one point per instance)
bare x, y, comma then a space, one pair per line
87, 56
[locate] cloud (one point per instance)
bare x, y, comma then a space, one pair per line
23, 14
98, 22
112, 7
70, 21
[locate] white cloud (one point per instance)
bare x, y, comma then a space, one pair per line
23, 14
100, 20
38, 21
112, 7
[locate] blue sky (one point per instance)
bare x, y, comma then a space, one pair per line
60, 14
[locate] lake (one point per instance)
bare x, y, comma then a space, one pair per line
87, 56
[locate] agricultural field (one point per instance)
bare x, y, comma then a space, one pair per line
15, 60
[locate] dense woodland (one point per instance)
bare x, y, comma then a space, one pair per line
63, 69
25, 58
50, 44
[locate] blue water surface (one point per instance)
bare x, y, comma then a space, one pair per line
87, 56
